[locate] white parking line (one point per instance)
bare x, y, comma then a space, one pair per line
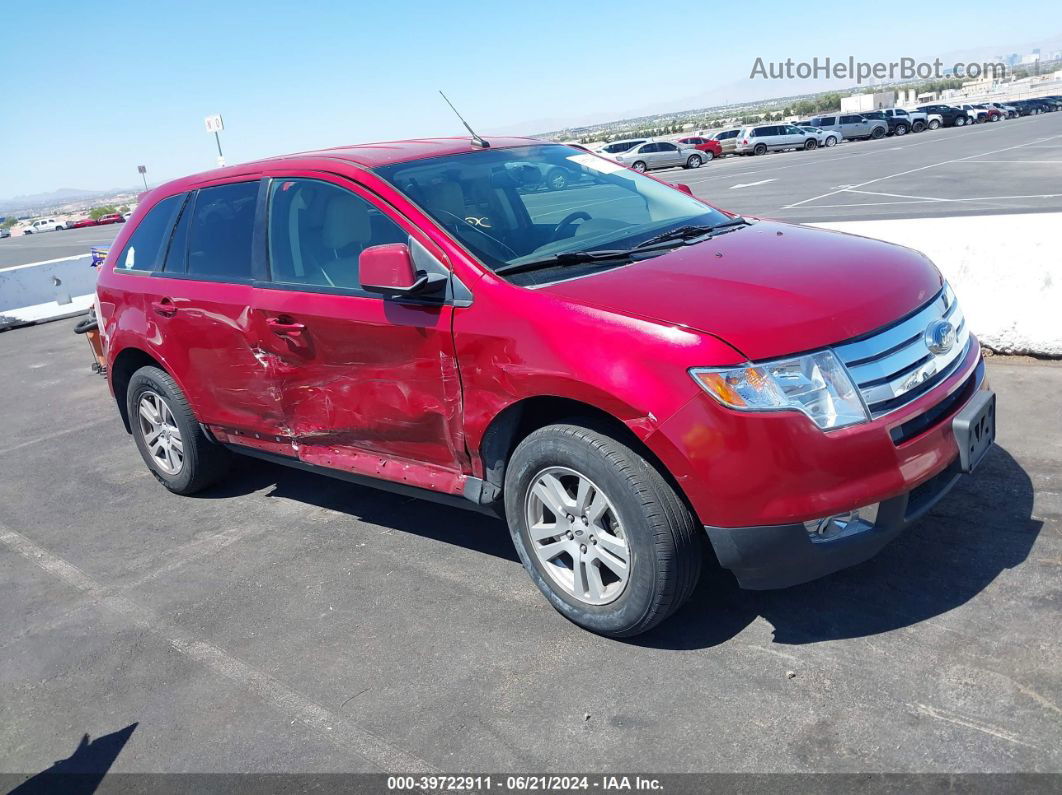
750, 184
912, 171
344, 733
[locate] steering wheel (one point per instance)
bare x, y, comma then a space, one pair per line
569, 219
461, 225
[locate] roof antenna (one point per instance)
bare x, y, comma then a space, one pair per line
476, 140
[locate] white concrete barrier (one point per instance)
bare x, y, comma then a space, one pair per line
1006, 271
47, 290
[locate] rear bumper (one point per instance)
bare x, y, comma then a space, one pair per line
778, 556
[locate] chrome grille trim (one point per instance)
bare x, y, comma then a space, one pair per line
895, 362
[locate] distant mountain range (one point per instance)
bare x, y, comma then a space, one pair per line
61, 196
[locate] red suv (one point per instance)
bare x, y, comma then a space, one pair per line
619, 375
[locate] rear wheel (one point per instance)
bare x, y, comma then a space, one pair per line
918, 126
877, 133
556, 179
602, 534
901, 129
811, 144
708, 155
934, 124
694, 161
760, 149
170, 439
960, 121
639, 166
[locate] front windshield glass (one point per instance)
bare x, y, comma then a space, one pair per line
516, 206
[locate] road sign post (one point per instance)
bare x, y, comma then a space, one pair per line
215, 125
143, 173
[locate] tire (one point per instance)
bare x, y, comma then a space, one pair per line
901, 129
960, 121
202, 461
655, 529
639, 166
934, 124
877, 133
830, 141
811, 145
918, 126
694, 161
709, 156
759, 149
556, 179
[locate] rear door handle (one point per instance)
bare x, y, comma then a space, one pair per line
164, 307
285, 327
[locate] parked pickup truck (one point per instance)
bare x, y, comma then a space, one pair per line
914, 120
949, 116
624, 384
851, 125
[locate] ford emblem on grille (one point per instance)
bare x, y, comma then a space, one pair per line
940, 336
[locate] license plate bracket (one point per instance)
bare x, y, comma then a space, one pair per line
975, 429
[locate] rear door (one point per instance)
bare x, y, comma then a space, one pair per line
200, 304
853, 126
365, 383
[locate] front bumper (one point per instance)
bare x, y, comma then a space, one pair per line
778, 556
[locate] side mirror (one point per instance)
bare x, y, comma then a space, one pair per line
389, 269
682, 186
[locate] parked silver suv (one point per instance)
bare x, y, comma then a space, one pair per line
851, 125
763, 138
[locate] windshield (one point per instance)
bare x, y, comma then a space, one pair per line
515, 206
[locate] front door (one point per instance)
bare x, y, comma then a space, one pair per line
365, 383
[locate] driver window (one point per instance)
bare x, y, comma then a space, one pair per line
318, 230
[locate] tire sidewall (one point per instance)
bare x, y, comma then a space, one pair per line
556, 450
694, 161
148, 379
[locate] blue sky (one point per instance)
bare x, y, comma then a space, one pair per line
94, 89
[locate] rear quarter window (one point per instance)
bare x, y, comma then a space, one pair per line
147, 245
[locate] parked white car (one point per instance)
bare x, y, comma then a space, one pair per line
44, 225
824, 137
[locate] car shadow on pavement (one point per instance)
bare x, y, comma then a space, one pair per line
82, 771
981, 528
457, 526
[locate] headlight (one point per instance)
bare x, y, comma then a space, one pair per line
816, 384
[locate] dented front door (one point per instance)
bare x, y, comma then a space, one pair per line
365, 384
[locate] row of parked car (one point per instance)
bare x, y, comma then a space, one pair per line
55, 225
826, 130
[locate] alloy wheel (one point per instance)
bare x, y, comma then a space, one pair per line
161, 434
576, 535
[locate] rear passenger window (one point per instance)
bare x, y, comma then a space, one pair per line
220, 231
147, 244
318, 230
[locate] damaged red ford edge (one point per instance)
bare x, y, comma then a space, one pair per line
617, 368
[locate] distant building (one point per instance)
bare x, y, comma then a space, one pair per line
859, 103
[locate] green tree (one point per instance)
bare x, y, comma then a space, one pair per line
98, 212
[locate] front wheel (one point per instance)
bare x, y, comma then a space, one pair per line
901, 129
694, 161
601, 532
918, 126
170, 439
708, 155
960, 121
877, 133
810, 144
830, 141
934, 124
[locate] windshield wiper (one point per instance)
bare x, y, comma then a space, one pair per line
689, 232
565, 258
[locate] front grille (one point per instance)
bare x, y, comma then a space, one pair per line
893, 366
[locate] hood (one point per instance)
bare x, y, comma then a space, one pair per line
769, 289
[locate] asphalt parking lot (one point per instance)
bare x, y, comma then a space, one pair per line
44, 246
288, 622
1001, 167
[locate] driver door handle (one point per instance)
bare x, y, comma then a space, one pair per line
164, 307
285, 327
